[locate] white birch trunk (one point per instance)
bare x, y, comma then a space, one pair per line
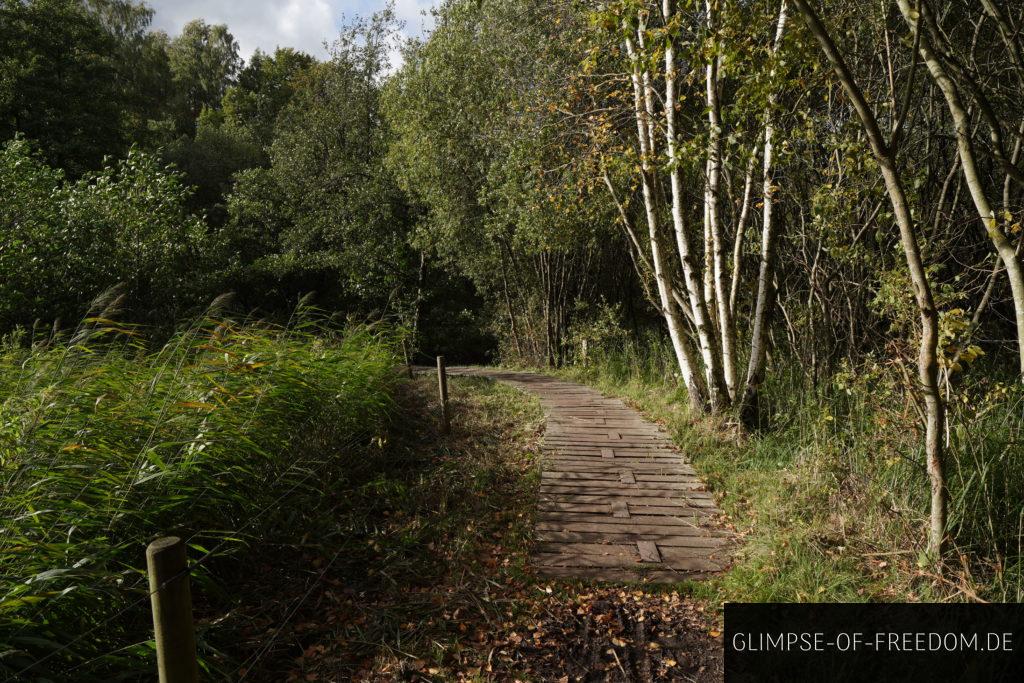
680, 344
759, 336
726, 331
717, 389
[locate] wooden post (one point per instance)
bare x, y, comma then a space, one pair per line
442, 385
408, 358
171, 599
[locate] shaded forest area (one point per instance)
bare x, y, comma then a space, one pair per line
790, 229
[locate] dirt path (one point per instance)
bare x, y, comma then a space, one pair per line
617, 501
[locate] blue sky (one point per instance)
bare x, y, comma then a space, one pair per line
266, 24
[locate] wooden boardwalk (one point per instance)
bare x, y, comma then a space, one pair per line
617, 501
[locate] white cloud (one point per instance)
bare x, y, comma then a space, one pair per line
266, 24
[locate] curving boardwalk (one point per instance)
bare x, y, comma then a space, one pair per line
617, 501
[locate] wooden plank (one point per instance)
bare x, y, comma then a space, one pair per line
620, 509
607, 453
629, 526
611, 487
614, 549
669, 540
632, 498
663, 522
679, 510
577, 560
648, 551
596, 465
562, 506
623, 430
626, 477
570, 477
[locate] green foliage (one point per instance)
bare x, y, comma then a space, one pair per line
327, 215
106, 444
61, 80
481, 143
204, 62
211, 159
66, 242
265, 86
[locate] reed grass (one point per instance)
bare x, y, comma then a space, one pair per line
106, 443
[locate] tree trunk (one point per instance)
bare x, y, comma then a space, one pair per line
927, 362
726, 331
765, 291
717, 388
741, 226
680, 344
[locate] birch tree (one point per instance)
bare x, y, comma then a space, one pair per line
885, 156
929, 40
763, 304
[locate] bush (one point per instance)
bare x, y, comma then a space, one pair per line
66, 242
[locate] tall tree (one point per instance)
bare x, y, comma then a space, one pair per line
204, 61
885, 153
59, 81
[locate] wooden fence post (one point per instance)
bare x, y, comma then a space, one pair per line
408, 358
442, 385
171, 599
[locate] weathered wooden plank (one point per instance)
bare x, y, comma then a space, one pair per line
661, 522
620, 509
571, 477
613, 549
630, 526
596, 465
563, 506
648, 551
611, 487
669, 540
632, 498
624, 428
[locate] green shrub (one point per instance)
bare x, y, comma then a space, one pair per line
64, 243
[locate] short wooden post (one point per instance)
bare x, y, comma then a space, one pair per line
442, 386
171, 599
408, 358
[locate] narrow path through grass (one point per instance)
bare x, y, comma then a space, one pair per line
420, 571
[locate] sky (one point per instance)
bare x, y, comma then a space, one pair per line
267, 24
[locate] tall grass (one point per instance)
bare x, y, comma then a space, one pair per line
106, 444
832, 494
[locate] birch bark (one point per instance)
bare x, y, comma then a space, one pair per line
927, 362
765, 291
